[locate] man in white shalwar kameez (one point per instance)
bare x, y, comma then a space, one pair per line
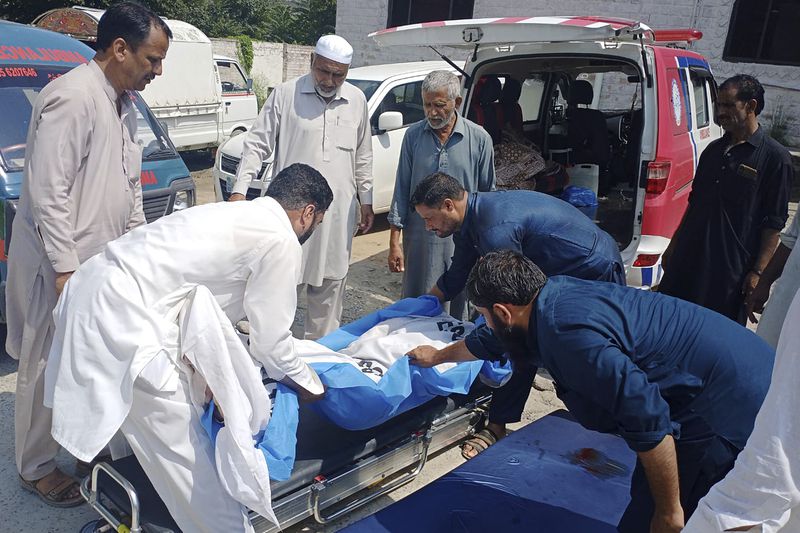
777, 286
117, 361
321, 120
80, 190
762, 492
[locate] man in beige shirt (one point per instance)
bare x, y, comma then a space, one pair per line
321, 120
80, 190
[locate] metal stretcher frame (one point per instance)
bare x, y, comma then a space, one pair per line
119, 504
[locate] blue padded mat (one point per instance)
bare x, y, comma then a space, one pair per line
550, 476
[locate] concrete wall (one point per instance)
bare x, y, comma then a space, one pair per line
357, 18
273, 63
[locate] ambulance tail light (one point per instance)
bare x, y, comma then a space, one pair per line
678, 35
646, 260
657, 176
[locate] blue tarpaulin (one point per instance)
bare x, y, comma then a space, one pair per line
354, 401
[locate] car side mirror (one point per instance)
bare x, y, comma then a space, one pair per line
390, 120
249, 84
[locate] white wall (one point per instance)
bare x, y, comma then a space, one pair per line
357, 18
273, 63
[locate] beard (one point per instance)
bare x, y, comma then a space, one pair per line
514, 339
305, 236
323, 93
437, 123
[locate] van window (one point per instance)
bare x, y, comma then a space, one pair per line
18, 91
530, 100
231, 77
406, 99
155, 144
618, 91
19, 87
368, 87
701, 108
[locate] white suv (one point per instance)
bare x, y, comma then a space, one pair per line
394, 101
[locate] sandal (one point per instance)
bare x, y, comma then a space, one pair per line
478, 442
57, 496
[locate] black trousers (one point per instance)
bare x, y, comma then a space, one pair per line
508, 401
701, 464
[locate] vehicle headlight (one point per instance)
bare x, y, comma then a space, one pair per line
183, 200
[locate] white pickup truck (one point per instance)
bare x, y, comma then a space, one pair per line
389, 88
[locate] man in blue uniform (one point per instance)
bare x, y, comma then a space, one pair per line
550, 232
681, 384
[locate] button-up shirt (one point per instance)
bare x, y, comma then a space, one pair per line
645, 365
738, 191
467, 155
119, 311
299, 126
80, 189
548, 231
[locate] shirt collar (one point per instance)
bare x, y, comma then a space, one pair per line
466, 224
755, 140
307, 87
103, 80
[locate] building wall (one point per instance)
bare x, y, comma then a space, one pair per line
355, 19
273, 63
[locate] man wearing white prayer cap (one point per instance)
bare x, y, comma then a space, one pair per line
321, 120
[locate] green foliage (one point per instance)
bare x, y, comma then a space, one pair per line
261, 89
264, 20
245, 52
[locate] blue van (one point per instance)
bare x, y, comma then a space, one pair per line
29, 59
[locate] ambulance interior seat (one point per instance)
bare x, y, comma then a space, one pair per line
482, 110
587, 133
508, 110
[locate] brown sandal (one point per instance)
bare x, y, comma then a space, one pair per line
57, 496
479, 442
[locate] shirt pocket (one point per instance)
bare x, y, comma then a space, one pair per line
345, 134
738, 190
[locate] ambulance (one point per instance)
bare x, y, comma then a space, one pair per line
29, 59
626, 110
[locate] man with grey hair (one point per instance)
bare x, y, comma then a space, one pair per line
443, 142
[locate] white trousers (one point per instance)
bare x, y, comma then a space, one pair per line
164, 431
323, 307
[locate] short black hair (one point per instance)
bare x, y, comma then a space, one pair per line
435, 189
747, 88
504, 277
299, 185
130, 21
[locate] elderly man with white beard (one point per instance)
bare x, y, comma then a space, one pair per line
443, 142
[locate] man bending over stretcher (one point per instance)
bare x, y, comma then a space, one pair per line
117, 360
681, 384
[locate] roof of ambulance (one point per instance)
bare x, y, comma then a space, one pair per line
26, 45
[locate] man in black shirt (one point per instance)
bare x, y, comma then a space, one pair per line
737, 207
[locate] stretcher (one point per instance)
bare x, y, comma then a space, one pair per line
332, 465
552, 475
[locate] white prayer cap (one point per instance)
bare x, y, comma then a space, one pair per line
334, 48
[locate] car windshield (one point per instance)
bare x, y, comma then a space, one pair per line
368, 87
19, 87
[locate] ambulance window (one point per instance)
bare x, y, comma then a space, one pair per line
231, 77
701, 115
405, 99
618, 91
530, 99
